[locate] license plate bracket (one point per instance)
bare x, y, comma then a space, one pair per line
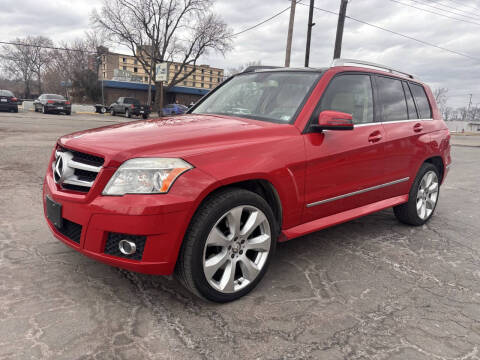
54, 212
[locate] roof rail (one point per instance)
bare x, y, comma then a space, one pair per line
344, 62
259, 67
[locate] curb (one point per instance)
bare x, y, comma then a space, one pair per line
464, 145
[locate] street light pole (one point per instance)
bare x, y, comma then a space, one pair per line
309, 32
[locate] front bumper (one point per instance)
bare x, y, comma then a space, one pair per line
161, 218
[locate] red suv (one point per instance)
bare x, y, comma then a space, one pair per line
270, 155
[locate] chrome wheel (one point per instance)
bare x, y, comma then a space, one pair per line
427, 195
236, 249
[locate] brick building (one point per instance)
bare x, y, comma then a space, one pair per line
123, 75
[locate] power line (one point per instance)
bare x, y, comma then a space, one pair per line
45, 47
433, 12
449, 7
465, 6
398, 34
451, 12
262, 22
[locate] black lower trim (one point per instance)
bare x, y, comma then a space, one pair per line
71, 230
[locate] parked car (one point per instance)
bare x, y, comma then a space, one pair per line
174, 109
52, 103
8, 101
268, 156
129, 107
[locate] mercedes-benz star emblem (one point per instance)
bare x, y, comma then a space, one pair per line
61, 170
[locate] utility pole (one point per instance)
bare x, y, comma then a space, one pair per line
468, 108
341, 22
290, 33
309, 32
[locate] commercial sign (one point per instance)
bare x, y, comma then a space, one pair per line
161, 72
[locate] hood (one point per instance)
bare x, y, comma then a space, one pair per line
179, 136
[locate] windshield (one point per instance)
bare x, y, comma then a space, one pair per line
271, 96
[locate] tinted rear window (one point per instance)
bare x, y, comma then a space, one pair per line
131, 101
412, 112
392, 99
423, 106
55, 97
6, 93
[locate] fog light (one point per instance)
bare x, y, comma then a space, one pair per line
127, 247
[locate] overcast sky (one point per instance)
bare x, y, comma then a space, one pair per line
68, 19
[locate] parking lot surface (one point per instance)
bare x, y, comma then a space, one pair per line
368, 289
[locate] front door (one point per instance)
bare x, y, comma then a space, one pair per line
345, 167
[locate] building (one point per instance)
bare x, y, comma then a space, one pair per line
123, 75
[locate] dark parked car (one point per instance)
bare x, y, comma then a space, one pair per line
129, 107
51, 103
174, 109
8, 101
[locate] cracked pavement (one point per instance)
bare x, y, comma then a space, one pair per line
368, 289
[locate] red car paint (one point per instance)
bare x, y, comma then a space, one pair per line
303, 168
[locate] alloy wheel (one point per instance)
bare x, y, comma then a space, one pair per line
427, 195
236, 249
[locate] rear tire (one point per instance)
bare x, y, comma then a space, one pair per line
422, 199
144, 116
127, 114
234, 254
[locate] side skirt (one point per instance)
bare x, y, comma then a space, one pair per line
339, 218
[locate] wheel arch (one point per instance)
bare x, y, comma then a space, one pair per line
260, 186
437, 161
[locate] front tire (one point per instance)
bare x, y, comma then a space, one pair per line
228, 246
44, 110
112, 112
422, 199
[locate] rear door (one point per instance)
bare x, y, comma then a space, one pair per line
406, 139
344, 167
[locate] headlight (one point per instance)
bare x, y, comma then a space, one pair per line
145, 176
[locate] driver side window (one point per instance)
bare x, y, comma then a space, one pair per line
351, 94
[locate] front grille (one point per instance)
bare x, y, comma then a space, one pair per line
111, 247
82, 169
71, 230
86, 158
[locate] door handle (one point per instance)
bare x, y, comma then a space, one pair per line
375, 137
417, 127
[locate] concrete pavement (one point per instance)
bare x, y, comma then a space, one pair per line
368, 289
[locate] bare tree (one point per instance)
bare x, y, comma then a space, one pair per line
27, 59
158, 31
77, 66
441, 98
239, 69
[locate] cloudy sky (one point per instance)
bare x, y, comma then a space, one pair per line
68, 19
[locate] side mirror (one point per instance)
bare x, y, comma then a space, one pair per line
334, 120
